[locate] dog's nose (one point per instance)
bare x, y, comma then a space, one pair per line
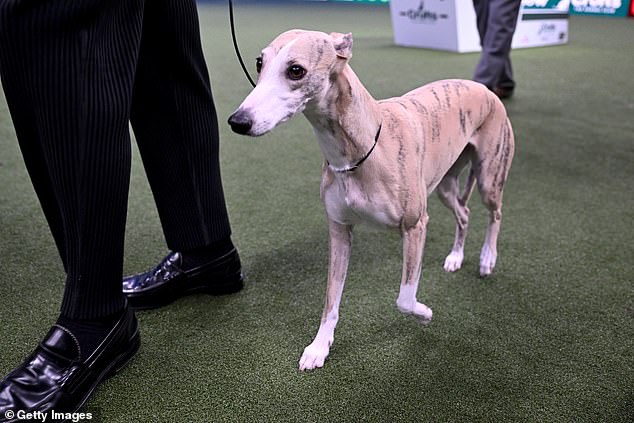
240, 122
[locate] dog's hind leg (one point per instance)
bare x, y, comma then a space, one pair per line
413, 246
491, 172
340, 243
449, 193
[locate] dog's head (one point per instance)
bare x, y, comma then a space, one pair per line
294, 70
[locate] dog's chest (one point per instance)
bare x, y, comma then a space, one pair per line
349, 201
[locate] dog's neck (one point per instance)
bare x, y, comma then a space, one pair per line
346, 120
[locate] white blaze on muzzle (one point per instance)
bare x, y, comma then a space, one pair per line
272, 101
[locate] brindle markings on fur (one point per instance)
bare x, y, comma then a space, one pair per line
500, 176
320, 48
420, 108
403, 103
435, 94
435, 124
447, 88
345, 99
435, 129
401, 159
459, 87
463, 122
469, 117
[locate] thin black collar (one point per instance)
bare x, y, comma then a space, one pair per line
363, 159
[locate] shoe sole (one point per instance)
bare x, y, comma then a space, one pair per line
195, 285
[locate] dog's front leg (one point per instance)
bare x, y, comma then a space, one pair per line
413, 246
340, 242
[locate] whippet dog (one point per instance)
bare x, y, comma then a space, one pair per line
383, 158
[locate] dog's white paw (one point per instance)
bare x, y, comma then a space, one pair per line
487, 262
313, 357
453, 261
420, 311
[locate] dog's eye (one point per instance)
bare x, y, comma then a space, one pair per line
296, 72
258, 64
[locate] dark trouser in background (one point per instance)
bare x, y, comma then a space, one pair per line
496, 21
74, 74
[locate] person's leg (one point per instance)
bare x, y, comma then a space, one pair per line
494, 68
482, 16
174, 120
482, 73
67, 69
506, 82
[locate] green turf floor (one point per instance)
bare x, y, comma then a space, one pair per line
548, 338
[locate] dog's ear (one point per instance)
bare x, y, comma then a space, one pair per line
343, 44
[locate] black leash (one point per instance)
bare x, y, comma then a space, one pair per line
235, 43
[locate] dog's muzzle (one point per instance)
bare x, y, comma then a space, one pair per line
241, 122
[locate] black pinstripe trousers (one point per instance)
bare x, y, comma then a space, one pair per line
75, 72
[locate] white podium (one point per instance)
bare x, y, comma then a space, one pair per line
451, 24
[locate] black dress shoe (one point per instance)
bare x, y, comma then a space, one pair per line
56, 378
169, 281
504, 92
